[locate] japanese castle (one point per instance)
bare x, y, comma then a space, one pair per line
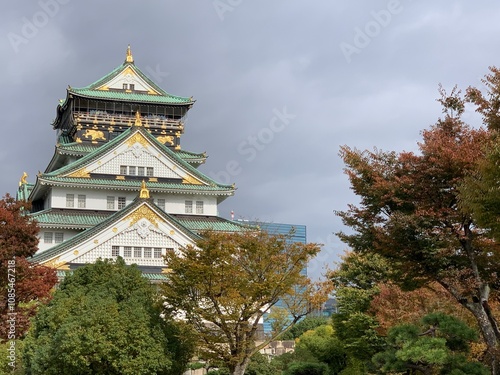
119, 183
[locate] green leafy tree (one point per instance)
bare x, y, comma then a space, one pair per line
306, 324
261, 365
409, 214
104, 320
356, 283
325, 346
226, 283
440, 349
307, 369
479, 193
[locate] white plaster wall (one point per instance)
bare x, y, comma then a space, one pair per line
95, 199
175, 204
42, 246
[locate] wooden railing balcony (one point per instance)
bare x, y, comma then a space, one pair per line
103, 118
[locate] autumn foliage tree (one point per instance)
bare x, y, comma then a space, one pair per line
409, 214
226, 283
28, 284
480, 191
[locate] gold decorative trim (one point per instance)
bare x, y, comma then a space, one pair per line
23, 179
96, 241
143, 212
120, 178
115, 229
166, 138
54, 263
166, 270
81, 173
129, 70
153, 179
76, 252
191, 180
103, 88
137, 138
172, 232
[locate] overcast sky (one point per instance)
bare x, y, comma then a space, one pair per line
279, 86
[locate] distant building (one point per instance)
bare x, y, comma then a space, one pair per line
296, 233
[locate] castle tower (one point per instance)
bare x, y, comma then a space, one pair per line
118, 183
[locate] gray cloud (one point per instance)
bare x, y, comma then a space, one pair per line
258, 58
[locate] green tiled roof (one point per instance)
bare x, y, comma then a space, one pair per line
78, 148
136, 184
202, 223
150, 276
164, 97
132, 96
109, 145
75, 219
66, 144
189, 156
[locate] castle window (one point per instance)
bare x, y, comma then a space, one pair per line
123, 169
127, 252
147, 252
82, 201
157, 252
131, 170
140, 171
199, 207
137, 252
47, 237
121, 202
70, 200
149, 171
110, 205
115, 251
58, 237
131, 86
125, 86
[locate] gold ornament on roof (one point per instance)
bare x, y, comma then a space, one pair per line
144, 191
143, 212
190, 180
129, 57
137, 138
138, 121
23, 179
81, 173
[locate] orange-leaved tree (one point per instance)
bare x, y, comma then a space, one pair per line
409, 214
23, 285
225, 284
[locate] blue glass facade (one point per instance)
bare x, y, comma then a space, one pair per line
297, 233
